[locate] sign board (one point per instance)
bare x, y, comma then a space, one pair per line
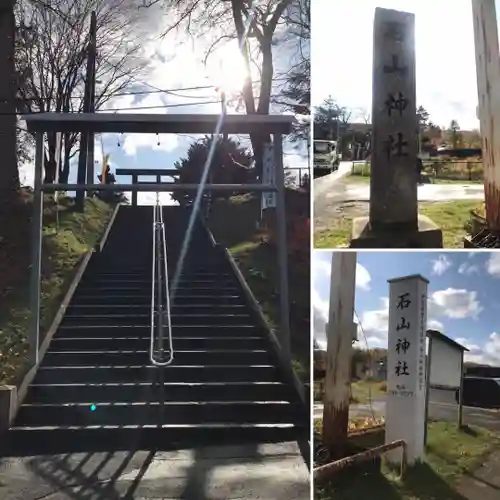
405, 407
445, 364
58, 161
268, 177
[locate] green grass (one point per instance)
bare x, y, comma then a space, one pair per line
62, 249
450, 216
363, 390
365, 179
234, 223
451, 455
442, 172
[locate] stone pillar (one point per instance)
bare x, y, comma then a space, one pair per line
393, 220
405, 403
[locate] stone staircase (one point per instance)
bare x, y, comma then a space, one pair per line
96, 388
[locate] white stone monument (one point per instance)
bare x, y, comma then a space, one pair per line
405, 406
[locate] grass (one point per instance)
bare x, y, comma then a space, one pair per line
365, 179
363, 390
234, 223
451, 455
451, 217
442, 171
355, 424
62, 248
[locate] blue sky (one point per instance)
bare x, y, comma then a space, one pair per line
176, 62
341, 55
463, 296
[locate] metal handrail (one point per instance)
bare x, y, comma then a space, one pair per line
159, 307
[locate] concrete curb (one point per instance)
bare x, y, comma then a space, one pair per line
8, 399
283, 363
12, 396
99, 246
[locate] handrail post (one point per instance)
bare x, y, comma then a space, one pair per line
282, 246
134, 193
36, 253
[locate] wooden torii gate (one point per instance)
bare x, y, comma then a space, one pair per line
488, 88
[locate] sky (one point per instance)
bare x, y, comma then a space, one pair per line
176, 62
341, 56
462, 296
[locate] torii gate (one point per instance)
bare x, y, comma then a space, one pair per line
488, 112
275, 125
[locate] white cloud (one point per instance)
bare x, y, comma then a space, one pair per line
493, 264
454, 304
441, 265
468, 269
363, 277
450, 303
434, 324
488, 354
374, 326
446, 97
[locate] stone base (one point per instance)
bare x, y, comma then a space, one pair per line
428, 235
8, 402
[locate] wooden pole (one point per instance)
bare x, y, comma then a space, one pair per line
488, 88
85, 137
339, 346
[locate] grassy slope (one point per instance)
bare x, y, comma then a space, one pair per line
62, 250
451, 455
234, 224
450, 216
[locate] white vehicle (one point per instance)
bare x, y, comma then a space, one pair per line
326, 157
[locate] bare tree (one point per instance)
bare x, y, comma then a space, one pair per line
52, 40
296, 94
229, 17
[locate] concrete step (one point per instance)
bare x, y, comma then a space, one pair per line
98, 282
78, 331
29, 441
130, 357
145, 319
145, 299
155, 413
146, 275
145, 373
61, 393
145, 308
97, 343
132, 290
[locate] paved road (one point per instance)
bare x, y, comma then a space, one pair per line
259, 472
442, 406
335, 188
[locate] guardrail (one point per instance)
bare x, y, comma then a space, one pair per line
325, 472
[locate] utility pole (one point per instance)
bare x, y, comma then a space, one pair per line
341, 331
85, 137
223, 103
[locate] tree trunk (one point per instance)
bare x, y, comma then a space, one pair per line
9, 175
248, 96
64, 172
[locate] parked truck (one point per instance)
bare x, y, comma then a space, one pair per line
326, 156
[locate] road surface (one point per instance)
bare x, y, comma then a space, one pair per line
442, 406
336, 188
